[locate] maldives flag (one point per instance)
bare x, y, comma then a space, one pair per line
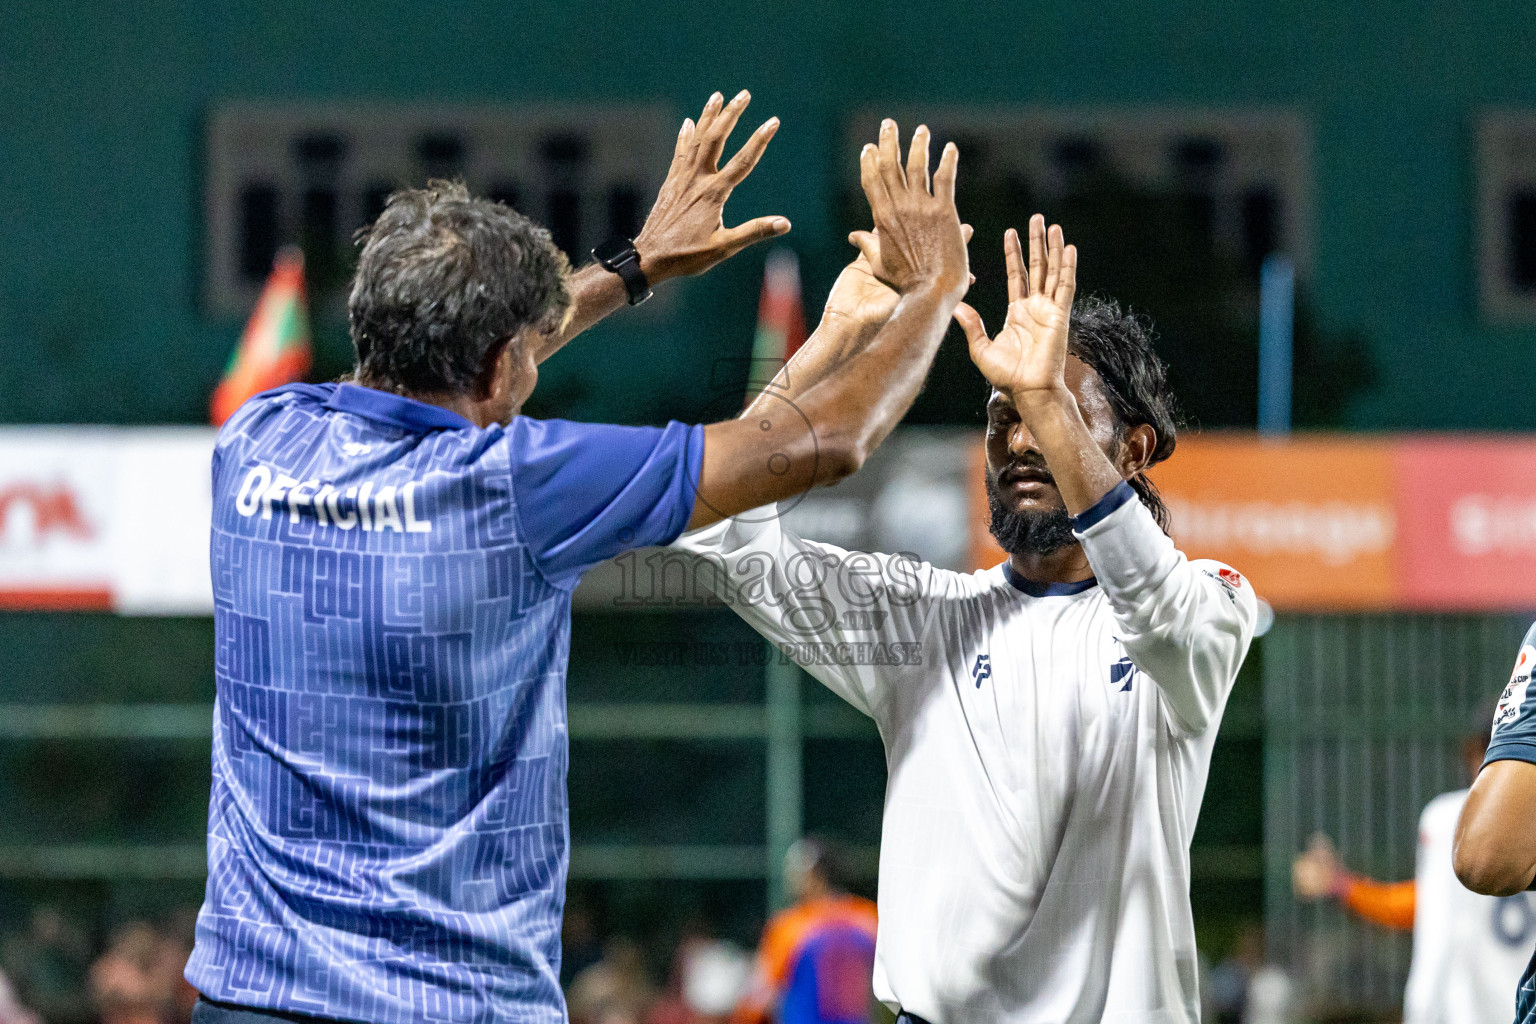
780, 318
274, 350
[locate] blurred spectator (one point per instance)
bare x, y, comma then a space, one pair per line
580, 947
1246, 989
715, 974
11, 1011
47, 964
615, 990
708, 977
816, 961
1271, 997
138, 979
1469, 951
670, 1006
1230, 979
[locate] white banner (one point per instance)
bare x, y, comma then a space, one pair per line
105, 518
118, 518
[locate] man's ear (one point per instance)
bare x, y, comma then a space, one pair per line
1136, 452
496, 375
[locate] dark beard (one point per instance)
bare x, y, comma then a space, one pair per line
1027, 533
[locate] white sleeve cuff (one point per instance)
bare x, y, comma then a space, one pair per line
1126, 548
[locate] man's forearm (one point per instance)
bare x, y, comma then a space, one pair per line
1083, 473
865, 381
824, 433
1389, 904
836, 340
595, 293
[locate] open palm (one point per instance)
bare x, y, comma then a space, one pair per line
1029, 354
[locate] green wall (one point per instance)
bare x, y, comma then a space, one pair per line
101, 105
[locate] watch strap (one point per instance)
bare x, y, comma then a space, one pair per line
618, 256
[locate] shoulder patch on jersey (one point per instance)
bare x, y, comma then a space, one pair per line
1231, 581
1513, 696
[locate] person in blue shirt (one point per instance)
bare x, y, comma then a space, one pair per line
393, 559
1495, 845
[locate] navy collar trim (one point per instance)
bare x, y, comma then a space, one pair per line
402, 412
1033, 589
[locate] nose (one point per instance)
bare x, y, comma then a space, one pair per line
1020, 440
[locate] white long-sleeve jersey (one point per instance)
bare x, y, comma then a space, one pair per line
1046, 750
1469, 951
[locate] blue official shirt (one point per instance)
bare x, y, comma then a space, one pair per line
1514, 739
387, 831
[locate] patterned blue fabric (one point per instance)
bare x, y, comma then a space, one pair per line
1514, 739
387, 830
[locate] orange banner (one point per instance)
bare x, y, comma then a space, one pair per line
1311, 521
1340, 522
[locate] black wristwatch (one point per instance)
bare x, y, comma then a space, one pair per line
619, 256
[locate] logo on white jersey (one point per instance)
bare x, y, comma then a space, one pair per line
1230, 579
982, 669
1122, 671
1513, 696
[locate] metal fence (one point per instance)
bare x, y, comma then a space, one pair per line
778, 723
1364, 718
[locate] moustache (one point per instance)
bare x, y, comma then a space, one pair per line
1030, 466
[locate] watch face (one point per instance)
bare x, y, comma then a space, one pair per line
613, 250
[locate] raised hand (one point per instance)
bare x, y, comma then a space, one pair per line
917, 240
845, 390
859, 297
860, 294
1315, 874
685, 233
1027, 359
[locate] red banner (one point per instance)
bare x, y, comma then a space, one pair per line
1467, 519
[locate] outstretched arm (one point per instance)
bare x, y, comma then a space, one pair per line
822, 435
1187, 625
1027, 363
685, 233
858, 306
1317, 874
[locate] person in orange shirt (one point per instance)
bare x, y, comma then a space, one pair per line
1468, 950
1318, 874
816, 959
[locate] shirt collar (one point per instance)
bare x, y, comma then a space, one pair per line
397, 410
1033, 589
